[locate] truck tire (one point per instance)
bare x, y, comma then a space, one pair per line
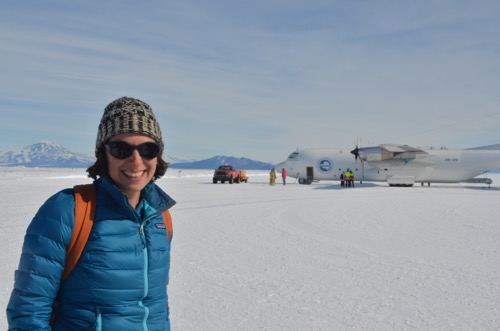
215, 181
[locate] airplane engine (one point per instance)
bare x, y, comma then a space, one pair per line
386, 152
374, 154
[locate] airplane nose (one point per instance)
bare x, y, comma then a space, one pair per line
280, 166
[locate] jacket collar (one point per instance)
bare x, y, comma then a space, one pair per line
111, 198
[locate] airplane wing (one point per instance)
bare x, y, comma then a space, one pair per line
486, 148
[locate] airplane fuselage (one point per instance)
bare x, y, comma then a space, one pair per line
426, 166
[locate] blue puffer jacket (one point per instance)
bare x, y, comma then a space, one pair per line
120, 281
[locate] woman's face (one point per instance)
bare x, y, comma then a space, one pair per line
131, 174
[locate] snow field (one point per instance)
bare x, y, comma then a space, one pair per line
307, 257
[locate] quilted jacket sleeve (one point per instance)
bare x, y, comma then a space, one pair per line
41, 264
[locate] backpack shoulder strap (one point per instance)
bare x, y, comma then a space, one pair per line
85, 206
167, 219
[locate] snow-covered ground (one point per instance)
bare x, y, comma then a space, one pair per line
296, 257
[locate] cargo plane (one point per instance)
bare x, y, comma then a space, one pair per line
398, 165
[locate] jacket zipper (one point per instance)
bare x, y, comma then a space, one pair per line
145, 276
146, 267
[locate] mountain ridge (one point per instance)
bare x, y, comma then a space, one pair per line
47, 154
214, 162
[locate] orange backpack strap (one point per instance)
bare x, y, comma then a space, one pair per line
85, 206
167, 219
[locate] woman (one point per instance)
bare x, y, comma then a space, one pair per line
120, 280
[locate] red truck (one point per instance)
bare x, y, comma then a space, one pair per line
228, 173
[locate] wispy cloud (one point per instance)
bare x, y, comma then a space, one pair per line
267, 75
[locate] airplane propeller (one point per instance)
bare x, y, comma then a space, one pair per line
355, 152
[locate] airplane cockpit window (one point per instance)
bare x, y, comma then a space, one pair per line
294, 155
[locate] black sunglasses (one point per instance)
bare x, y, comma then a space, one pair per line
122, 150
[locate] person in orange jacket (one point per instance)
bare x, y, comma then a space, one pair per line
284, 173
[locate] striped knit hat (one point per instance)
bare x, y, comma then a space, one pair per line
127, 115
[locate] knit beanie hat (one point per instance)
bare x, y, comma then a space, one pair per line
127, 115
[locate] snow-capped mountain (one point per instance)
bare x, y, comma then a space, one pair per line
45, 154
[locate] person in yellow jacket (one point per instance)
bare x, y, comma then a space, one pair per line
272, 177
349, 178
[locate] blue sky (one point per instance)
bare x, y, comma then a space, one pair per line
254, 78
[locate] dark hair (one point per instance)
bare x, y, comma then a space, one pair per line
100, 167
